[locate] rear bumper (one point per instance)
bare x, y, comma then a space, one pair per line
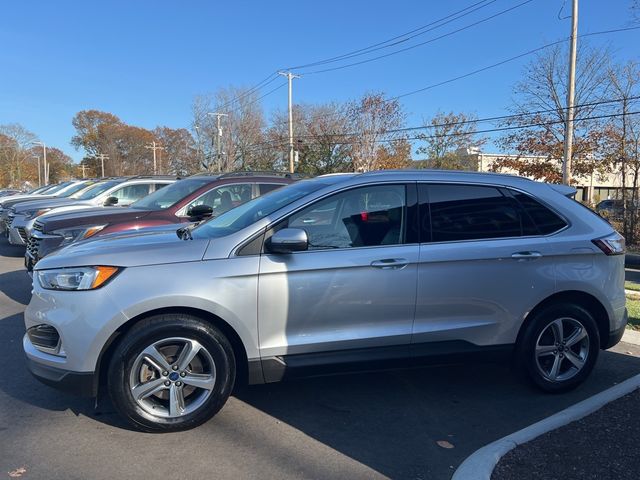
616, 335
77, 383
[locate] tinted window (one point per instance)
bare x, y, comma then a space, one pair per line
362, 217
268, 187
545, 220
470, 212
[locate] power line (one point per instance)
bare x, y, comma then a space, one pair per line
448, 34
480, 120
399, 38
494, 65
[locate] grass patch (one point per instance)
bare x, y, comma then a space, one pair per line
632, 286
633, 307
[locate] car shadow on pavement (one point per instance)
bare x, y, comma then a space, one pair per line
16, 285
422, 423
8, 250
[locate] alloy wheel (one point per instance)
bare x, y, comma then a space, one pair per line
562, 349
172, 377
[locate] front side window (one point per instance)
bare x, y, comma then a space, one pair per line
130, 193
362, 217
223, 198
471, 212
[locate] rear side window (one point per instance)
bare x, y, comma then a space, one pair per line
470, 212
545, 220
268, 187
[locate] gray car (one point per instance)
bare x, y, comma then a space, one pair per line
341, 272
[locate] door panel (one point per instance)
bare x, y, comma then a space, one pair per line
478, 290
332, 300
354, 288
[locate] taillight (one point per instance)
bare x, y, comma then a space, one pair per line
611, 244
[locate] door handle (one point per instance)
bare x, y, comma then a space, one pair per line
526, 255
390, 263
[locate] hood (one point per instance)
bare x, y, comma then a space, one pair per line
46, 203
89, 216
11, 201
133, 250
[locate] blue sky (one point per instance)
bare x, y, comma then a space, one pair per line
144, 61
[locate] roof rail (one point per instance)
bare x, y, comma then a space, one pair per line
259, 173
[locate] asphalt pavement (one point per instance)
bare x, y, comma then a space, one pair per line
413, 424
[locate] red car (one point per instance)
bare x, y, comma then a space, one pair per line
188, 200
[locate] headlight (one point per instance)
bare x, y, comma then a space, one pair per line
36, 213
71, 235
76, 278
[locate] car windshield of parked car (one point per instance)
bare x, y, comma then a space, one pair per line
95, 190
172, 194
70, 190
240, 217
57, 188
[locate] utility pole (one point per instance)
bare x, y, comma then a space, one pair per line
102, 158
39, 176
568, 130
154, 147
218, 137
290, 76
44, 161
82, 166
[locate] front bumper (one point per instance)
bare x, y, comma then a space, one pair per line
19, 230
83, 384
41, 244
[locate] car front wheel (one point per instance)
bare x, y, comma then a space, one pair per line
171, 372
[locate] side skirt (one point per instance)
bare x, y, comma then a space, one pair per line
278, 368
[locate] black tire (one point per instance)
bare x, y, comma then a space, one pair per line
157, 329
539, 329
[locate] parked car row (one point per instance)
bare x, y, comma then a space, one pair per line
331, 274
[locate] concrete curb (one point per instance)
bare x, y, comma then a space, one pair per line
480, 464
631, 336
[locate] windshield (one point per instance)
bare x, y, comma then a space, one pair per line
95, 190
70, 190
240, 217
56, 188
172, 194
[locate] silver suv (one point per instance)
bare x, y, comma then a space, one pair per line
339, 272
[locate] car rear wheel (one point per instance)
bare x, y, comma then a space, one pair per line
171, 372
559, 347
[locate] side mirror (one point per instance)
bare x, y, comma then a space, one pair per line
288, 240
200, 211
110, 201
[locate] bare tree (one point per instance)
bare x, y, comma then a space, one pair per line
448, 140
622, 135
543, 89
16, 154
370, 119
